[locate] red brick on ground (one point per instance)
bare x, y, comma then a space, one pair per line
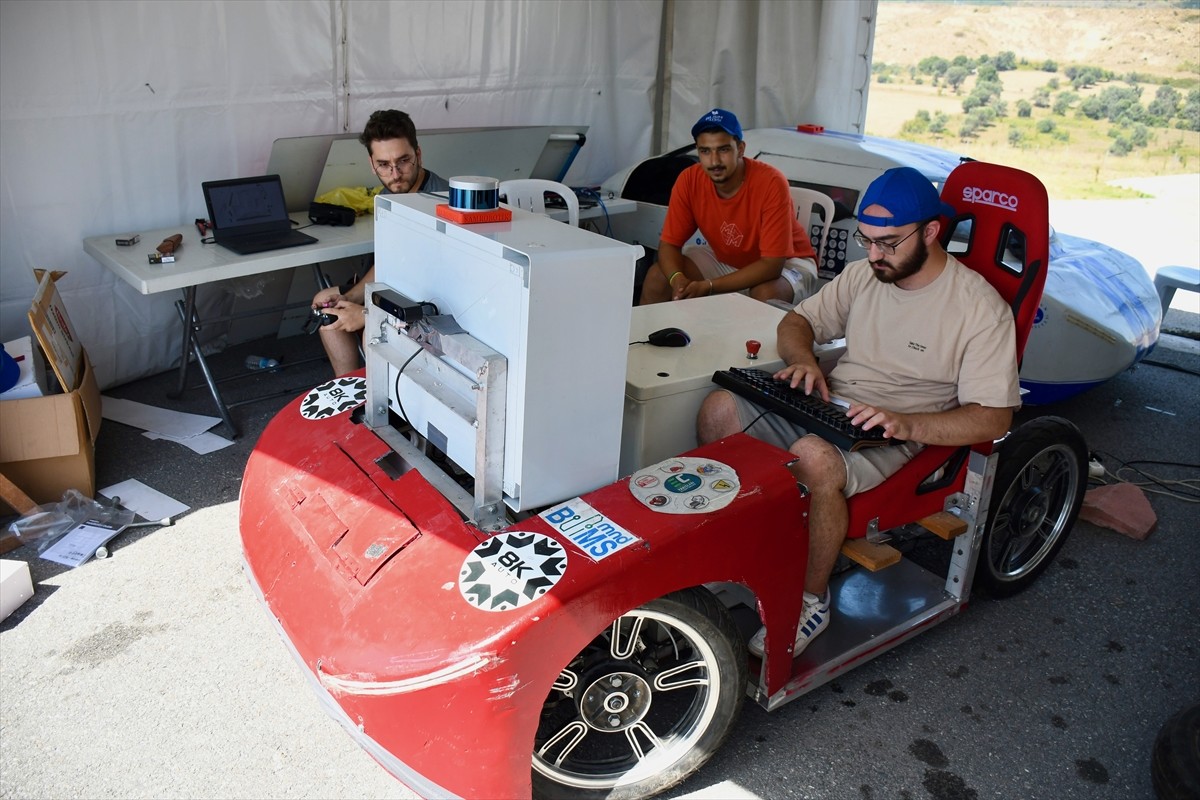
1121, 507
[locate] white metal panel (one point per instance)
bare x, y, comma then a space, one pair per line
555, 301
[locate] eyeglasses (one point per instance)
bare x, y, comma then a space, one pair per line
887, 248
399, 165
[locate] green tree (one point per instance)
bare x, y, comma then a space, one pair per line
1041, 97
955, 77
1045, 125
933, 65
1189, 116
1089, 76
1092, 108
1063, 103
917, 125
986, 72
1139, 136
1049, 65
1164, 105
1120, 146
1015, 136
1024, 108
1122, 101
1005, 60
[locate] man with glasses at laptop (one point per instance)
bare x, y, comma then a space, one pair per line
391, 141
930, 359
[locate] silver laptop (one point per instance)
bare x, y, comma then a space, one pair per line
249, 215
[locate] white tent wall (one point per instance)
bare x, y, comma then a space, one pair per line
113, 112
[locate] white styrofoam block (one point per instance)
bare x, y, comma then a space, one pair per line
31, 382
15, 586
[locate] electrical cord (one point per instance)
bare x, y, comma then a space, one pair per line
396, 386
1187, 489
756, 419
592, 194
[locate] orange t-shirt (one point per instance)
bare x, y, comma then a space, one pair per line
757, 222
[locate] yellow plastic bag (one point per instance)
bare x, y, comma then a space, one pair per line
359, 198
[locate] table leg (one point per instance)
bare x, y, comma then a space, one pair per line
187, 313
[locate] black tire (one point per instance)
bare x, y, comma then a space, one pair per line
1175, 760
666, 679
1041, 476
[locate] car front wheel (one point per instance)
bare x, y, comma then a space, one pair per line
645, 704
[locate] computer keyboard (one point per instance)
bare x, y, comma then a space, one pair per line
827, 420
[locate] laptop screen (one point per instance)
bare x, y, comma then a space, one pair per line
247, 205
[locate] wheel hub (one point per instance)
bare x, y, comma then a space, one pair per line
615, 701
1033, 507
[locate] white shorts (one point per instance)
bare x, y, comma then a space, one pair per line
865, 468
801, 273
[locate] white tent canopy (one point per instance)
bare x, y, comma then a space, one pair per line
112, 112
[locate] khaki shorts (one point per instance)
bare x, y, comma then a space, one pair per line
801, 273
865, 469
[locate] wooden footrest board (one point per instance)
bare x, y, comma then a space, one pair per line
944, 525
872, 556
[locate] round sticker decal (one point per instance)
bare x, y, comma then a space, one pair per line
335, 397
510, 570
693, 485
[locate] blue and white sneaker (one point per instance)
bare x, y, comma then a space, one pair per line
813, 619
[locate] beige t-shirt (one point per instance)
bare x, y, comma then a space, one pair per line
945, 345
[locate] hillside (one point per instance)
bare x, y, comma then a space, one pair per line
1076, 156
1156, 37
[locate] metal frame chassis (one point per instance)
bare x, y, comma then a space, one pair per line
489, 386
856, 640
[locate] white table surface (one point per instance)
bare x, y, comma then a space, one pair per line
197, 263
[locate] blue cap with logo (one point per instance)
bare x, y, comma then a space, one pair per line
907, 194
719, 118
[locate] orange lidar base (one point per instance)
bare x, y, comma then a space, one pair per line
469, 217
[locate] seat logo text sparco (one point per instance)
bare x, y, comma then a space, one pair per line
989, 197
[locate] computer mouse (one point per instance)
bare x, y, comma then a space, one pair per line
669, 337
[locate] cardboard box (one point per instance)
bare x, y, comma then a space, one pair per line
47, 444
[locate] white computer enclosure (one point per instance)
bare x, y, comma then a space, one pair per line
553, 301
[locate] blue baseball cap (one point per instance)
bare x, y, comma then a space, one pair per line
719, 118
907, 194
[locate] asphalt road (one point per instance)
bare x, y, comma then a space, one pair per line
155, 673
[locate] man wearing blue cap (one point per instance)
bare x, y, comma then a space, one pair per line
931, 359
743, 208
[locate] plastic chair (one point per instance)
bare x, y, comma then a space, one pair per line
1168, 279
529, 194
806, 201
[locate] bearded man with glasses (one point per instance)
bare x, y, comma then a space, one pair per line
391, 141
930, 359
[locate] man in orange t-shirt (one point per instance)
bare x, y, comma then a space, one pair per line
744, 210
